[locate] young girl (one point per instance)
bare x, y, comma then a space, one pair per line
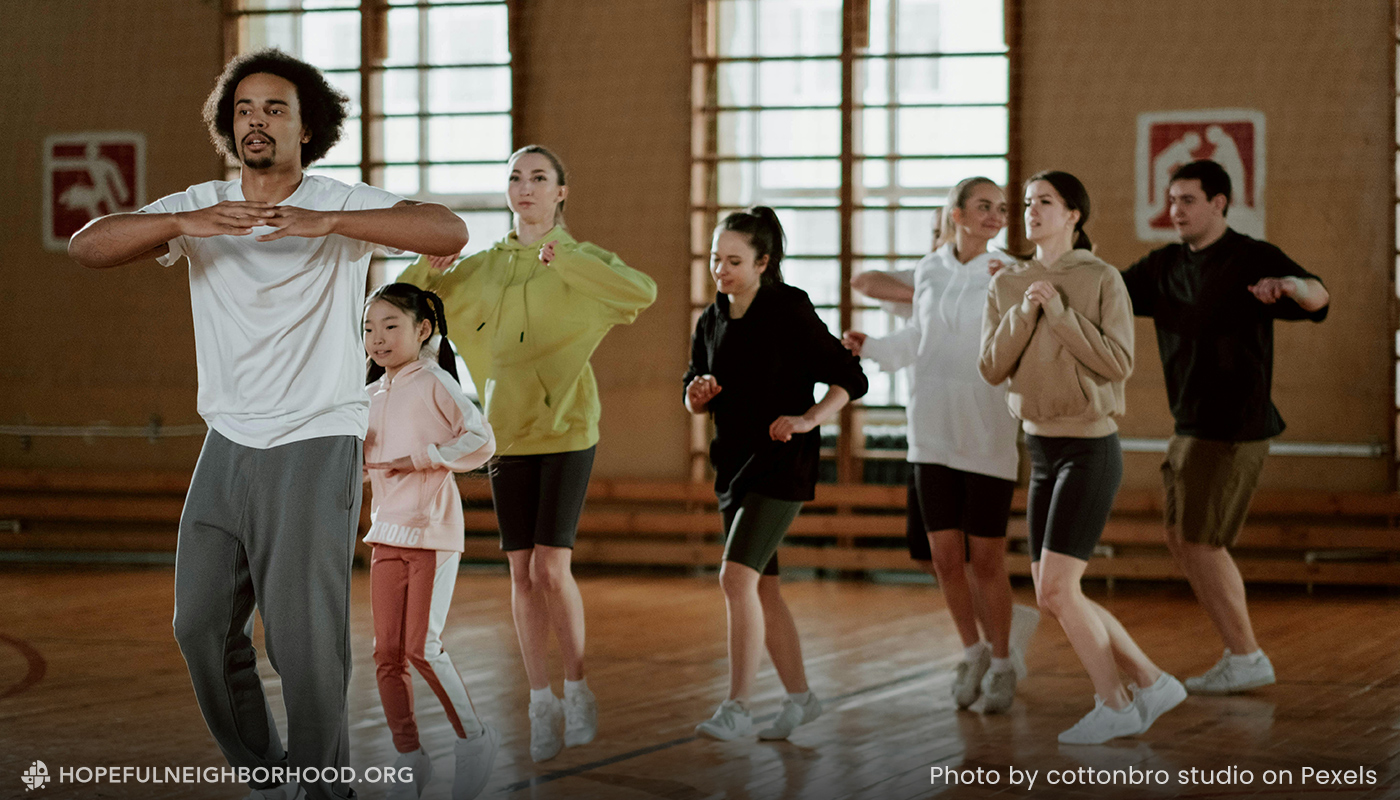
421, 430
1061, 328
757, 352
527, 314
962, 443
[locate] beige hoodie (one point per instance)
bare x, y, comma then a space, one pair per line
1067, 361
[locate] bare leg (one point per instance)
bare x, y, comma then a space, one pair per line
552, 575
1126, 653
1058, 590
992, 586
1219, 587
531, 613
740, 584
780, 636
947, 547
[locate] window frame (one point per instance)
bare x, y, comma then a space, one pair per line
705, 205
373, 115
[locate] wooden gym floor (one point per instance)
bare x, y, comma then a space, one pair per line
90, 676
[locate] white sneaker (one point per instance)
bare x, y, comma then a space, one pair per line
475, 756
580, 717
792, 715
546, 723
967, 685
731, 721
422, 767
1159, 698
287, 791
1232, 674
1024, 621
1102, 724
1000, 689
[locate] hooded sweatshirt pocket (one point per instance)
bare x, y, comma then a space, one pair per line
518, 403
1050, 388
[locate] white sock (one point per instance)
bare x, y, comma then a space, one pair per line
971, 653
572, 688
1001, 664
1247, 658
541, 695
800, 697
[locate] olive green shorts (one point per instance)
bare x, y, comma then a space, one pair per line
1209, 485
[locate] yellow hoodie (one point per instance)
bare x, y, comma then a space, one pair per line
527, 330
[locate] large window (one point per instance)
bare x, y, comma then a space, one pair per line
852, 118
430, 89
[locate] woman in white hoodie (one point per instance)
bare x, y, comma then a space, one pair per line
962, 441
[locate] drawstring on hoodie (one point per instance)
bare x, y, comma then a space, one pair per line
524, 295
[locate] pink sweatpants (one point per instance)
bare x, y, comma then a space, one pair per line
410, 591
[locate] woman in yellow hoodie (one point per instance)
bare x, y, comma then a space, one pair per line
1060, 326
526, 315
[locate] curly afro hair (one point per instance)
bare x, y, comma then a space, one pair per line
323, 107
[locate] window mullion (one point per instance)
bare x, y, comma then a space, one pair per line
845, 450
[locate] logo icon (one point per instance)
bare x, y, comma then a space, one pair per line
36, 776
1233, 138
87, 175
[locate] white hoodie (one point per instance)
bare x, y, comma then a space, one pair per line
955, 418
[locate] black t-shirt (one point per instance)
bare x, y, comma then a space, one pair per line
1215, 338
767, 363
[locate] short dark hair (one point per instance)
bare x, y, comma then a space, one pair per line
323, 107
1213, 177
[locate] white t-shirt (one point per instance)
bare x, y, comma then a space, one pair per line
277, 324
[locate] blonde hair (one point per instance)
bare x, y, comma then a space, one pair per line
957, 198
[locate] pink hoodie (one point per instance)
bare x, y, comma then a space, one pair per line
422, 414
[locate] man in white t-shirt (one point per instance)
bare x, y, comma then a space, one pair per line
278, 262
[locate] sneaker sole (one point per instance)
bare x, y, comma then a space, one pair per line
1244, 687
541, 759
708, 734
576, 742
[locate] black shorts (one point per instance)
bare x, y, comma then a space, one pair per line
539, 498
956, 500
914, 531
1073, 482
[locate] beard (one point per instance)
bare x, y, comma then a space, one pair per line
261, 161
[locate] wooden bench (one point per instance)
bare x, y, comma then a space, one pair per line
1292, 536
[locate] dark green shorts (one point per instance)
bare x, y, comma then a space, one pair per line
754, 530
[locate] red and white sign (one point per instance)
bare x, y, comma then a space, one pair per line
1234, 138
88, 175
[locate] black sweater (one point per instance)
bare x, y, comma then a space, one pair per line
767, 364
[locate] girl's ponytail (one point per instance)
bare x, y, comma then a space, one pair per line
445, 357
765, 232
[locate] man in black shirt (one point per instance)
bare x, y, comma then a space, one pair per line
1214, 299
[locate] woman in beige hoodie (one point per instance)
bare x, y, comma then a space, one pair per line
1060, 327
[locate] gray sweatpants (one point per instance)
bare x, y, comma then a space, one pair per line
272, 529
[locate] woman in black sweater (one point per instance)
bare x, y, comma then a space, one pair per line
757, 354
